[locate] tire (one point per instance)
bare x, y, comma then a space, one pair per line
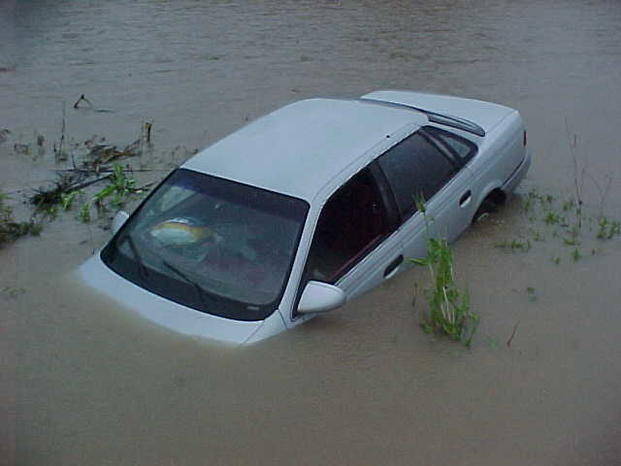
487, 207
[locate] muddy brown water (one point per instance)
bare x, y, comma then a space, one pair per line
84, 382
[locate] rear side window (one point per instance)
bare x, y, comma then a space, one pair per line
415, 168
461, 147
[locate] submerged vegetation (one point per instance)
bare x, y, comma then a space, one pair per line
93, 177
577, 229
119, 188
80, 169
448, 311
67, 193
567, 222
607, 228
114, 195
10, 229
46, 200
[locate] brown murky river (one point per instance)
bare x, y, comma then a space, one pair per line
86, 383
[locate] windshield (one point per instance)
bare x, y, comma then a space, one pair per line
215, 245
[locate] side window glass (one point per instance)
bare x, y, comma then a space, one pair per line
351, 224
415, 168
462, 147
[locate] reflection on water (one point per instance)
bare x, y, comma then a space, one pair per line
89, 383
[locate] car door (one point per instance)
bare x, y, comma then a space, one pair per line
419, 170
454, 204
354, 245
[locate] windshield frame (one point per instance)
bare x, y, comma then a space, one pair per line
184, 292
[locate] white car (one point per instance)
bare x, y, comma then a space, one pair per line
306, 208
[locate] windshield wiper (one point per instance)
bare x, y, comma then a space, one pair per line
137, 258
197, 287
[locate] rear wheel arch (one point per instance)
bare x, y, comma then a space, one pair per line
494, 199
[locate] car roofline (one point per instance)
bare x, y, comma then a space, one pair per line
334, 151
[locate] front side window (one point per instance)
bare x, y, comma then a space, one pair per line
211, 244
351, 224
415, 169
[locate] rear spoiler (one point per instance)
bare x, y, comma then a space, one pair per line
434, 117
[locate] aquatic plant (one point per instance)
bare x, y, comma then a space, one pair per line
448, 310
568, 221
45, 200
530, 291
608, 228
66, 199
515, 244
85, 212
119, 188
10, 230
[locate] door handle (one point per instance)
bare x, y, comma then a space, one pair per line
465, 199
393, 266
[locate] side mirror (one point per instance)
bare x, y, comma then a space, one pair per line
320, 297
119, 219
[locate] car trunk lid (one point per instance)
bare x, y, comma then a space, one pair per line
484, 114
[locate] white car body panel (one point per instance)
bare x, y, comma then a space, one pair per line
308, 150
370, 271
450, 216
498, 157
445, 217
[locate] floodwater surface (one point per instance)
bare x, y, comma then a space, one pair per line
87, 383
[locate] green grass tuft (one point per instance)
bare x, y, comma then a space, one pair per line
449, 310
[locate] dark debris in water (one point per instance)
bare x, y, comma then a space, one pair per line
84, 103
102, 154
80, 165
44, 198
4, 134
10, 229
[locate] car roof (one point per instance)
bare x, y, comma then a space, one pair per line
300, 148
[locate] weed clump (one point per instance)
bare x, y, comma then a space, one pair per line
115, 194
46, 200
66, 191
568, 221
10, 230
449, 310
119, 188
515, 245
607, 228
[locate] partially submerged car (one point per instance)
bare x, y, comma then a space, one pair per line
306, 208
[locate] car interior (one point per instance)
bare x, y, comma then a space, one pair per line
352, 222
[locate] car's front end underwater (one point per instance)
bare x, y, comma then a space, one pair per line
177, 317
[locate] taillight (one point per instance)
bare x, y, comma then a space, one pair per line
524, 139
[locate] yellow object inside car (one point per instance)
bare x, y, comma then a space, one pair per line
180, 232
